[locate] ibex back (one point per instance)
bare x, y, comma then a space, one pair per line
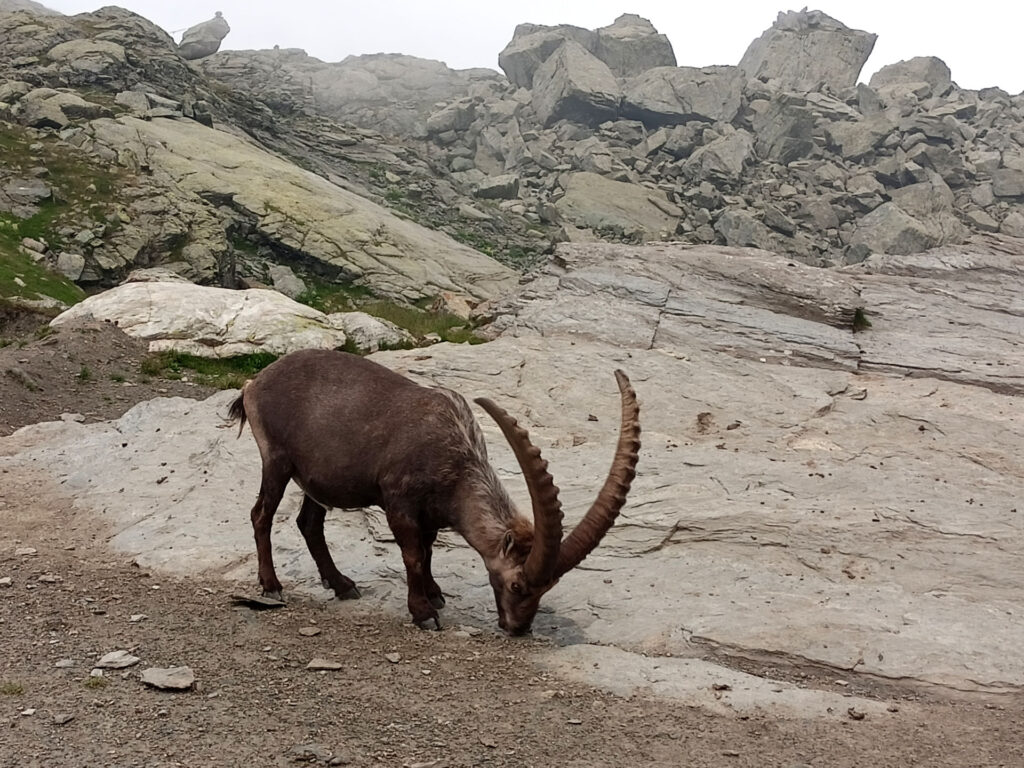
352, 433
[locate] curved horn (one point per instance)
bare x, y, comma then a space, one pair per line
602, 513
547, 509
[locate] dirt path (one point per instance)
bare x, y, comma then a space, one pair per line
450, 699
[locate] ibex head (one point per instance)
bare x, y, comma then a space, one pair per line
530, 561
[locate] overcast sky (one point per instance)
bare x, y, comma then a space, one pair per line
980, 40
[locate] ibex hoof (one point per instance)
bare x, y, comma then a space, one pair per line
350, 594
437, 602
426, 624
273, 595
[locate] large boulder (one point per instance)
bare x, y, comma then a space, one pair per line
631, 45
628, 46
723, 160
209, 322
573, 84
932, 203
533, 44
204, 39
672, 95
806, 51
616, 208
890, 229
920, 69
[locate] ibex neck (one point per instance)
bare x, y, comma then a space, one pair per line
483, 513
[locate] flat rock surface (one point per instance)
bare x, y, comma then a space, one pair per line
790, 505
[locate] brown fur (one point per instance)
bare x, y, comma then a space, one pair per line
352, 433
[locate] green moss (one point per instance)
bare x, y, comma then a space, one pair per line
860, 320
11, 688
221, 373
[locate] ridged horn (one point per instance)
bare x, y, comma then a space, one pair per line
599, 518
547, 509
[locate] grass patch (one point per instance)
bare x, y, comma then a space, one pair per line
860, 320
420, 322
84, 195
92, 683
38, 281
84, 373
221, 373
11, 688
333, 297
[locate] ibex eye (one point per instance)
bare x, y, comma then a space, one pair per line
516, 587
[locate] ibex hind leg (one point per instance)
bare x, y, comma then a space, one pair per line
271, 490
311, 524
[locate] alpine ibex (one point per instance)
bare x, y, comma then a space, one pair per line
353, 433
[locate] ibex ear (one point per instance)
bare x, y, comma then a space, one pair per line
507, 543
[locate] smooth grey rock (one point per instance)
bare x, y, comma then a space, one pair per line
926, 69
1013, 224
533, 44
170, 678
672, 95
208, 322
631, 45
47, 108
286, 281
454, 117
613, 206
1008, 182
116, 660
204, 39
890, 229
931, 203
982, 222
318, 664
504, 187
95, 56
857, 139
304, 213
369, 333
806, 50
725, 159
573, 84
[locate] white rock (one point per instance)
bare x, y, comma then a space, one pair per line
117, 660
209, 322
170, 678
323, 664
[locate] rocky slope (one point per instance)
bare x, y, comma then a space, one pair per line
124, 155
783, 151
592, 134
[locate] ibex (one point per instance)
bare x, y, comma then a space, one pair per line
353, 433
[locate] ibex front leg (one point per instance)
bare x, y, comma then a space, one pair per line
311, 524
409, 537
